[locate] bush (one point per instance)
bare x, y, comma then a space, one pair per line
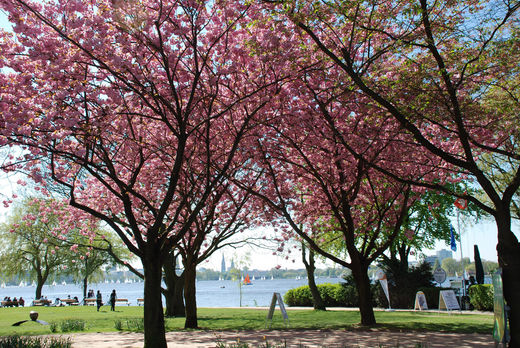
34, 342
72, 325
299, 297
347, 295
481, 297
54, 327
332, 295
135, 324
328, 293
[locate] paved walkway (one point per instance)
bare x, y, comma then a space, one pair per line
293, 338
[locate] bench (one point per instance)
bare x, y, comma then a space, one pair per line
69, 301
140, 301
89, 302
122, 301
41, 302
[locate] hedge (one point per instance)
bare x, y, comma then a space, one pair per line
332, 296
345, 295
481, 297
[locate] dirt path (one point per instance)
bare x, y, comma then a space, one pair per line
293, 338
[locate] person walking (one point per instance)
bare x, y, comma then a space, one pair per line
99, 300
113, 297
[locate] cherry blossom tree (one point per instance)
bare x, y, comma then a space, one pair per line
139, 109
216, 226
318, 184
435, 67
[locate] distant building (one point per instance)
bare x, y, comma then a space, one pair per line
223, 265
232, 266
430, 259
444, 254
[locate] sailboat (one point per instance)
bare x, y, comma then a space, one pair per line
247, 281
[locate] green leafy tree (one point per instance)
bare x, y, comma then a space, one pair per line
450, 266
428, 221
31, 249
90, 256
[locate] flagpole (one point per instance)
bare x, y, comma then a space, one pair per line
461, 258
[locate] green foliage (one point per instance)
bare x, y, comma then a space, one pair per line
347, 295
329, 294
481, 297
70, 325
31, 249
34, 342
53, 327
300, 296
135, 324
333, 295
118, 324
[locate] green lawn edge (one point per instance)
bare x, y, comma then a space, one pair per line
241, 319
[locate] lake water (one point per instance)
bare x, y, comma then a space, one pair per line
210, 293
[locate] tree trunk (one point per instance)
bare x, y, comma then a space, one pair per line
179, 310
174, 288
85, 285
366, 310
190, 295
40, 281
39, 287
154, 332
508, 249
310, 267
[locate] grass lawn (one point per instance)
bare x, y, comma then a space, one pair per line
242, 319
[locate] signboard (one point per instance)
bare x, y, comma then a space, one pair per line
439, 275
276, 298
448, 301
500, 333
420, 301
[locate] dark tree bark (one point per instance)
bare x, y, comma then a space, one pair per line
509, 261
85, 285
41, 278
39, 287
154, 331
310, 267
366, 310
190, 294
174, 288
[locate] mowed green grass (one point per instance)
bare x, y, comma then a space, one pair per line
245, 319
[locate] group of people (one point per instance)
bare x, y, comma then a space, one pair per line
8, 302
112, 300
14, 302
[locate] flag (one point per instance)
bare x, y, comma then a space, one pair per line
453, 243
384, 284
479, 269
461, 203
